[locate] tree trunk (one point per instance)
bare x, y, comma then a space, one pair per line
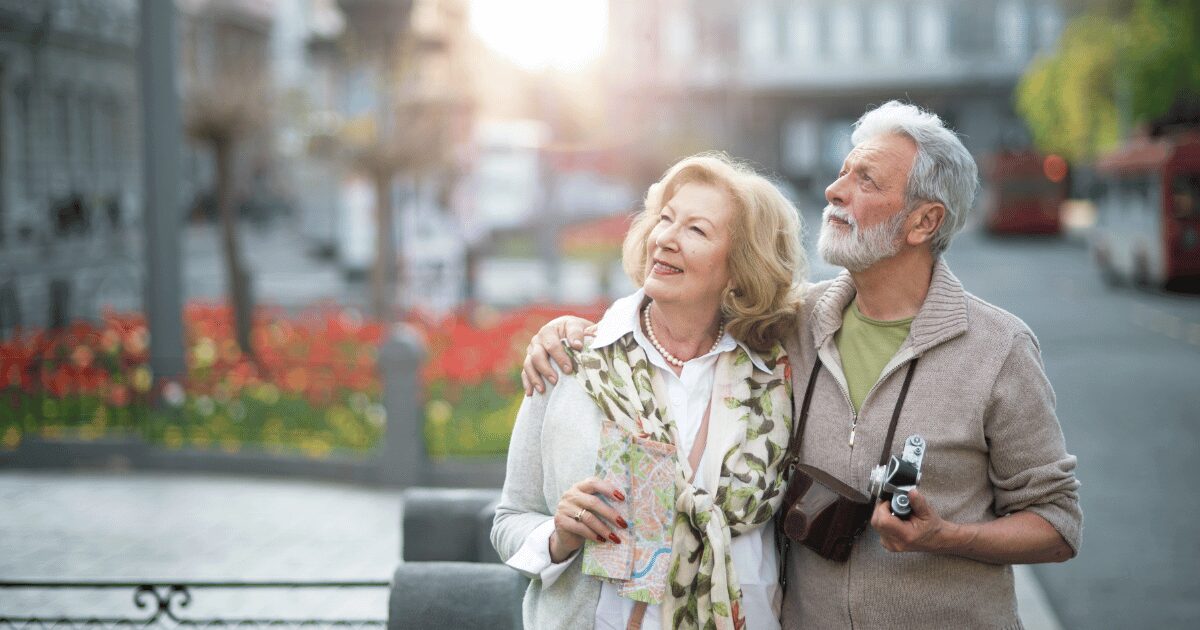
238, 281
384, 272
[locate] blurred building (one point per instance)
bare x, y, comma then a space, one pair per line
400, 81
70, 186
781, 81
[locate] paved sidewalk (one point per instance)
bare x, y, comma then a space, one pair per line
129, 527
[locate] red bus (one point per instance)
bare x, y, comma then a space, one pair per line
1024, 193
1148, 212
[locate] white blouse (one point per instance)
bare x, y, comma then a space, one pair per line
689, 393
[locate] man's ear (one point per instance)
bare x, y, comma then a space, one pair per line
925, 222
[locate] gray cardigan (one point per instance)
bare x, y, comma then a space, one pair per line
981, 399
554, 444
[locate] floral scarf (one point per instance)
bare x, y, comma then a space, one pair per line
702, 589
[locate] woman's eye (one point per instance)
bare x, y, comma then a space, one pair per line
663, 217
698, 230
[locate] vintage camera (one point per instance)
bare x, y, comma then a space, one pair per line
901, 475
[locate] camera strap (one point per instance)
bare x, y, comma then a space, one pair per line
887, 443
793, 452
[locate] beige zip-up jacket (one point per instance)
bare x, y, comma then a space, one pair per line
980, 398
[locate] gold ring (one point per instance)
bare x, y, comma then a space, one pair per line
579, 515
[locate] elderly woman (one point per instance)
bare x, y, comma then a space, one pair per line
641, 490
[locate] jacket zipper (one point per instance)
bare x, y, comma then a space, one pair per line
840, 377
882, 377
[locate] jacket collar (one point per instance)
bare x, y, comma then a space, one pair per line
942, 316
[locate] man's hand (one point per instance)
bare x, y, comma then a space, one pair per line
1018, 538
923, 531
546, 346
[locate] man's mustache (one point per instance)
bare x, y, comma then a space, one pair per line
840, 214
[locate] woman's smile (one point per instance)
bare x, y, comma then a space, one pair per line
663, 269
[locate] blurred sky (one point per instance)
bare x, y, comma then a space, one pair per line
540, 34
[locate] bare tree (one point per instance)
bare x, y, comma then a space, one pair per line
413, 148
221, 115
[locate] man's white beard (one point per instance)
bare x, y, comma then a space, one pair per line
854, 249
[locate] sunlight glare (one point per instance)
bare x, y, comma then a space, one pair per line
540, 34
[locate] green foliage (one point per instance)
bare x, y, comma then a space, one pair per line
1140, 60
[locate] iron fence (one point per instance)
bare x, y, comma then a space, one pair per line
179, 604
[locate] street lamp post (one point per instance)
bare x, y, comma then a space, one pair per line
161, 131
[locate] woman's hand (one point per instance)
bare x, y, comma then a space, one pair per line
580, 513
546, 345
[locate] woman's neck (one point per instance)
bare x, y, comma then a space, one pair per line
681, 331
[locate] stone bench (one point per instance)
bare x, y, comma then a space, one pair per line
447, 524
455, 595
449, 574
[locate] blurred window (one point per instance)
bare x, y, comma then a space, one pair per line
62, 120
973, 28
782, 16
678, 41
846, 29
758, 33
1012, 22
929, 29
884, 30
1035, 187
823, 19
87, 134
836, 145
804, 31
25, 114
800, 145
1049, 24
1185, 193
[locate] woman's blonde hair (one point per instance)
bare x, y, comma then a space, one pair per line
766, 259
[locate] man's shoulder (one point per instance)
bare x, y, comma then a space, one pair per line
812, 292
988, 320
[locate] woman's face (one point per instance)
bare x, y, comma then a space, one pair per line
688, 249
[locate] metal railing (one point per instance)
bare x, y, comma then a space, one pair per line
165, 604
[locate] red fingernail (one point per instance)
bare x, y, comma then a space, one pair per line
599, 538
622, 523
613, 537
618, 495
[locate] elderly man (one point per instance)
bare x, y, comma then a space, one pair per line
998, 486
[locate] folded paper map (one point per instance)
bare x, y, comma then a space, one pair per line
644, 470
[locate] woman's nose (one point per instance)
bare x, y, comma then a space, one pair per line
666, 237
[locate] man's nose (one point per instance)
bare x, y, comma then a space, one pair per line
835, 193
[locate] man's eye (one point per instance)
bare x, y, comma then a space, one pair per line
663, 217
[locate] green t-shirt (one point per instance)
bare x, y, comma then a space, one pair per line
866, 346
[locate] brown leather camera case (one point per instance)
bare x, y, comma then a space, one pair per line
826, 516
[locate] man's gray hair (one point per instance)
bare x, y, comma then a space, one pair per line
943, 170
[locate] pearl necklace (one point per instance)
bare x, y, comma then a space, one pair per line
672, 359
